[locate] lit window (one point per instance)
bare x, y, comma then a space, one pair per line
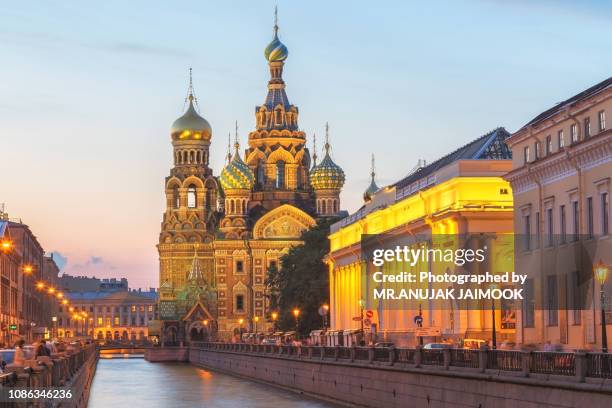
133, 308
280, 174
574, 133
587, 127
100, 321
191, 197
240, 303
602, 120
142, 308
116, 321
150, 308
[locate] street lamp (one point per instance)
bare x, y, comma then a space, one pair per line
325, 310
54, 320
255, 320
296, 314
6, 245
601, 273
240, 321
361, 307
494, 335
27, 268
274, 316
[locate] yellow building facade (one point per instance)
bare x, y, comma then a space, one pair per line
462, 193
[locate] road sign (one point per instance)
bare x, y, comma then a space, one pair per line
369, 314
356, 318
418, 320
367, 322
427, 332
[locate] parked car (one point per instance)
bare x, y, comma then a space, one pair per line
384, 344
473, 344
436, 346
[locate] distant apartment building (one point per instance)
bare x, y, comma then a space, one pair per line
561, 181
91, 284
24, 311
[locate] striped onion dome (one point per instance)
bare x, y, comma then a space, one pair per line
191, 126
237, 175
276, 50
327, 175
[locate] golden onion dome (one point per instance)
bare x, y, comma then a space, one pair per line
327, 175
191, 126
237, 175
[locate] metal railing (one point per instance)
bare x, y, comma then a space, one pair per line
578, 365
545, 362
504, 360
599, 365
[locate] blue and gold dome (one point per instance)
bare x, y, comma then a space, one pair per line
276, 50
237, 175
191, 126
327, 175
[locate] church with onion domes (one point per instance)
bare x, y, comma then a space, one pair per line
221, 233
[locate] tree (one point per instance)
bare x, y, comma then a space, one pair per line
302, 281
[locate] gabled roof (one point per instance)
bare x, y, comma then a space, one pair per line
488, 146
603, 85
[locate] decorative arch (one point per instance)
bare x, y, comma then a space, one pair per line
281, 154
193, 180
285, 221
254, 157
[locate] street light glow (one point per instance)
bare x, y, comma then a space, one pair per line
274, 315
28, 268
296, 312
6, 244
601, 272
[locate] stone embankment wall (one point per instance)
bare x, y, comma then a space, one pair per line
380, 385
166, 354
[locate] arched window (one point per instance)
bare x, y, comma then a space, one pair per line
261, 177
278, 117
191, 197
176, 198
280, 174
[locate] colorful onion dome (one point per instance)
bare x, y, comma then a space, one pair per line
191, 126
237, 175
327, 175
276, 50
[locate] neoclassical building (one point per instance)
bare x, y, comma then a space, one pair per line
236, 225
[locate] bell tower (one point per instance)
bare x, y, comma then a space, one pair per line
191, 197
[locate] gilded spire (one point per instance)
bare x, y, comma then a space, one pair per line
190, 92
229, 148
276, 50
314, 150
191, 125
236, 143
372, 188
326, 146
275, 21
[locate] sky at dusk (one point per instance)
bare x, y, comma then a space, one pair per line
88, 94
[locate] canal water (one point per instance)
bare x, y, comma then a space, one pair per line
134, 382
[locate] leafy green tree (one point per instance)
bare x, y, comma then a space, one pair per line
302, 281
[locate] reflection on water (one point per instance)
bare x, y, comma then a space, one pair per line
133, 383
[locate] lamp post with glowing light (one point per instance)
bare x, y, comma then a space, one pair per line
296, 314
255, 320
361, 307
240, 321
274, 316
601, 274
324, 311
